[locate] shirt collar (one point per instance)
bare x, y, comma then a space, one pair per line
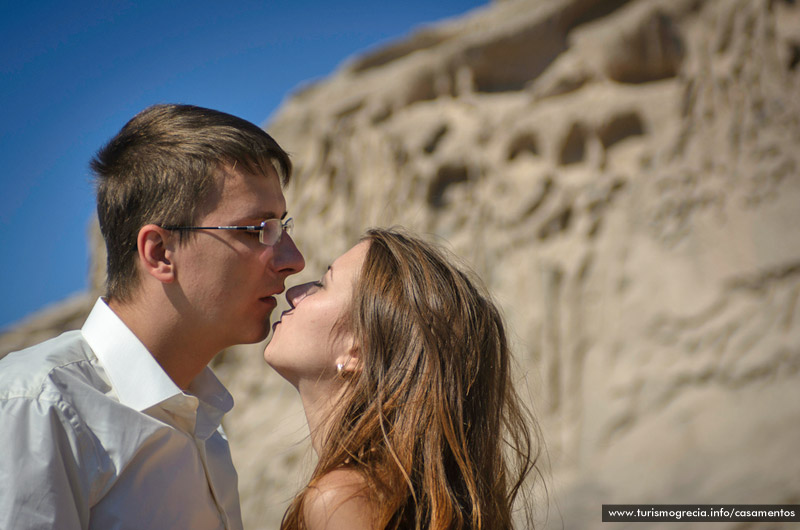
215, 401
138, 379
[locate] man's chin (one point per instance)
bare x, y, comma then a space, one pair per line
256, 335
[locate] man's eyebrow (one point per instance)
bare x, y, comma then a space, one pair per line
330, 269
265, 215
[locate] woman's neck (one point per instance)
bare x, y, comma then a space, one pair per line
319, 406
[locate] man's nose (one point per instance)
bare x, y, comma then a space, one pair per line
287, 258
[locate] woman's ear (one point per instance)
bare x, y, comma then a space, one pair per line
155, 253
349, 363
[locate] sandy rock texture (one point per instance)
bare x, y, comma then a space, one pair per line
624, 176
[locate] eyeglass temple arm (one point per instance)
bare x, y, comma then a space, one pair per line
251, 228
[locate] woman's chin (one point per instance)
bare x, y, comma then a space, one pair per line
270, 360
277, 368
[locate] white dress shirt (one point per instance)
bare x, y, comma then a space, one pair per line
94, 434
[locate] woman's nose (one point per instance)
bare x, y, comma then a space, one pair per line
298, 292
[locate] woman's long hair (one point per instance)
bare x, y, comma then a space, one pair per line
431, 421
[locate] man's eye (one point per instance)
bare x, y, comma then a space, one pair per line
318, 284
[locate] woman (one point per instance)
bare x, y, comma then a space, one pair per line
402, 365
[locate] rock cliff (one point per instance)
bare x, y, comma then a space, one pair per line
624, 176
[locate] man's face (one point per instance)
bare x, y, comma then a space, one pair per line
227, 279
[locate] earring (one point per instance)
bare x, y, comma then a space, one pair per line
339, 368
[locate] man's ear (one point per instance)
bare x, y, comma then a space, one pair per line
155, 252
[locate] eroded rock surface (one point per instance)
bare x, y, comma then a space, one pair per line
624, 176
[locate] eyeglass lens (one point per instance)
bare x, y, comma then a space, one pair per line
272, 230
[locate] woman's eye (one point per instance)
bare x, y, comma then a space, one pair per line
318, 283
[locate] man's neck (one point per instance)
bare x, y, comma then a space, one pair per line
182, 354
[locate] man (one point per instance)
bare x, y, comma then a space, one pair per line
118, 425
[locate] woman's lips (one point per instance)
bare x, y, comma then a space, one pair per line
280, 318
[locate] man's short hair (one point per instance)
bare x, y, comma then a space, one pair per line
160, 168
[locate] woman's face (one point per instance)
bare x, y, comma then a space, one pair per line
304, 345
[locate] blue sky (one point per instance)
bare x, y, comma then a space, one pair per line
72, 73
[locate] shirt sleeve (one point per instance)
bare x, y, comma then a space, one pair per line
44, 482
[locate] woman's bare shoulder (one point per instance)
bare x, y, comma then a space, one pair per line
339, 500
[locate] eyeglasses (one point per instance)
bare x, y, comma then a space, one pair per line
269, 231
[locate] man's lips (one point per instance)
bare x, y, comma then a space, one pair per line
270, 300
271, 297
